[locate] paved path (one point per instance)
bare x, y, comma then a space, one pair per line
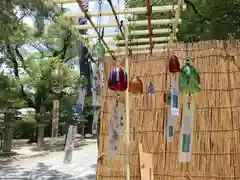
51, 167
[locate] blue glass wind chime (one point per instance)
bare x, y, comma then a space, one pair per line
77, 109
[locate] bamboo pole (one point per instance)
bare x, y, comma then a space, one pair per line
137, 23
69, 1
146, 40
138, 52
133, 32
127, 132
138, 10
140, 47
94, 27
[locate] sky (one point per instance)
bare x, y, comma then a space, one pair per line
94, 6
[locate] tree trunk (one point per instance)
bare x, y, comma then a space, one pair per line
40, 140
34, 138
8, 131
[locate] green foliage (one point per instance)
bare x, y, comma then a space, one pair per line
9, 92
33, 60
25, 128
205, 19
10, 18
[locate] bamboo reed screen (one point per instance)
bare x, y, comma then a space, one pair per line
216, 138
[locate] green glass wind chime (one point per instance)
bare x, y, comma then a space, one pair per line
189, 80
188, 84
98, 49
98, 56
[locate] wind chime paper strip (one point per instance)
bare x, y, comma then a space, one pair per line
116, 128
186, 133
96, 84
170, 127
174, 98
55, 121
96, 114
134, 125
112, 139
81, 99
72, 130
96, 93
120, 119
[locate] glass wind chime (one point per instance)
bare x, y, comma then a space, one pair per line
172, 96
117, 82
188, 83
98, 55
136, 88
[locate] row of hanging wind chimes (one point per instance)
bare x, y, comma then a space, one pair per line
188, 83
118, 82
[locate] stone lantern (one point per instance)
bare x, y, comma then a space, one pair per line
81, 124
78, 118
9, 117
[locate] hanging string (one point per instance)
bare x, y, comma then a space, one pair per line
116, 16
99, 19
187, 53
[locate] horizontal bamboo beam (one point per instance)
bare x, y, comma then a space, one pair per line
140, 47
137, 33
136, 23
138, 52
69, 1
145, 40
139, 10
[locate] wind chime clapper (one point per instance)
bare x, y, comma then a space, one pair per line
117, 82
136, 88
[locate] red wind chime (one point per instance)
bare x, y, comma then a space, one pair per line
118, 79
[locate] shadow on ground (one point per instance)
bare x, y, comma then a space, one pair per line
41, 172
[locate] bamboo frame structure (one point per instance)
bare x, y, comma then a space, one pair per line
146, 40
136, 11
133, 32
150, 30
69, 1
113, 53
127, 132
94, 27
136, 23
139, 52
141, 47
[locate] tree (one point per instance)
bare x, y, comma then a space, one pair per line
12, 12
9, 92
202, 18
33, 60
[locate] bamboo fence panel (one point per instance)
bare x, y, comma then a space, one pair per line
216, 137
